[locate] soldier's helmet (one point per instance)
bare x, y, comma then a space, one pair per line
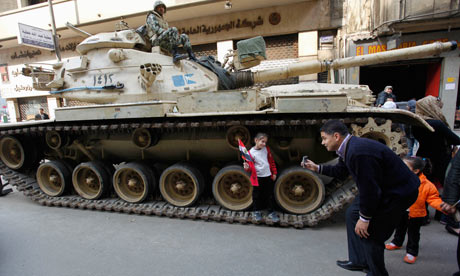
159, 3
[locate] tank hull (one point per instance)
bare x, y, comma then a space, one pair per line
205, 142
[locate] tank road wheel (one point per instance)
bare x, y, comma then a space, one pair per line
381, 133
133, 181
299, 191
91, 180
56, 140
20, 154
54, 177
232, 188
238, 132
181, 184
143, 138
12, 152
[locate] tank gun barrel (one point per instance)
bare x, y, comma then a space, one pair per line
77, 30
317, 66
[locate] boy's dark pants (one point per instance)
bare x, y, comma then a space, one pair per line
263, 195
412, 227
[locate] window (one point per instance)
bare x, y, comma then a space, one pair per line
33, 2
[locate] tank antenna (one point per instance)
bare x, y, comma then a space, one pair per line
55, 37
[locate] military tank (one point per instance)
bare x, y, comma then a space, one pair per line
161, 138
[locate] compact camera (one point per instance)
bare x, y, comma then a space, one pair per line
304, 159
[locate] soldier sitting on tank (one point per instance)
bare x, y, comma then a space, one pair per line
167, 38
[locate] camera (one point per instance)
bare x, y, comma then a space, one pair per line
305, 159
228, 5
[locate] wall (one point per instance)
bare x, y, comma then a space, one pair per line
358, 16
306, 16
7, 5
387, 12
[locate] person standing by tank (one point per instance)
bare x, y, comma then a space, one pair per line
167, 38
434, 145
451, 196
382, 200
412, 221
411, 141
262, 191
384, 95
41, 115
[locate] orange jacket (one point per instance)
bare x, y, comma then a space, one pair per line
427, 192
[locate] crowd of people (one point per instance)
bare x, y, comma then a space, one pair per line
383, 204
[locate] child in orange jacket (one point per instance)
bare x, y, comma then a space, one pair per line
412, 222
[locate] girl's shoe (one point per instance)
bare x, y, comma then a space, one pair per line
409, 259
256, 217
391, 246
274, 217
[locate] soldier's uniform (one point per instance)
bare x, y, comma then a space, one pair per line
167, 38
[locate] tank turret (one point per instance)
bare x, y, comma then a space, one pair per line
113, 69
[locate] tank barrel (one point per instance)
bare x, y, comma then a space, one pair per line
317, 66
77, 30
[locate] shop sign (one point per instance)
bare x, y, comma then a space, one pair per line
35, 37
372, 49
233, 24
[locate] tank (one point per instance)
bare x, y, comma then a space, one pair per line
161, 138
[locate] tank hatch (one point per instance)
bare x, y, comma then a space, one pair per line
126, 39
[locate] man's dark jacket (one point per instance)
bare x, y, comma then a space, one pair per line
451, 193
383, 96
39, 116
436, 146
381, 176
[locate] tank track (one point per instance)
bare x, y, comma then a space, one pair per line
338, 193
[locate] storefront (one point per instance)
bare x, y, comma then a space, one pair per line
437, 76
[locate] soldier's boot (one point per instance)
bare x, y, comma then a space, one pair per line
191, 55
176, 56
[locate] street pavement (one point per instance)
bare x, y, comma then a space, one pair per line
50, 241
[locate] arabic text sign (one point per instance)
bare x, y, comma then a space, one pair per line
35, 37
